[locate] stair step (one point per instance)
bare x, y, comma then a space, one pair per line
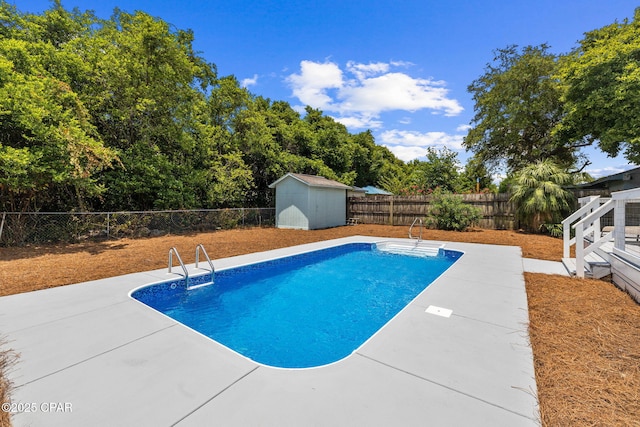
595, 266
595, 259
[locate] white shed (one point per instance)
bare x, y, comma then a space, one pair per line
310, 202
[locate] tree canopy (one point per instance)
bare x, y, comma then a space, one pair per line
517, 108
49, 146
122, 114
532, 105
441, 170
602, 89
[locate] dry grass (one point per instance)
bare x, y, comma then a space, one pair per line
38, 267
585, 334
7, 359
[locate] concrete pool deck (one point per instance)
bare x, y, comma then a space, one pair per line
91, 355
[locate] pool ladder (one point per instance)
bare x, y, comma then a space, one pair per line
419, 221
199, 248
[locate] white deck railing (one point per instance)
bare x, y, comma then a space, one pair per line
587, 205
620, 199
587, 225
590, 226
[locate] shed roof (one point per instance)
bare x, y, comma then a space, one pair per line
313, 181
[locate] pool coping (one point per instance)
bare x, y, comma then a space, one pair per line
115, 361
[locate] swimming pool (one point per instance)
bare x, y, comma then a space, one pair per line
304, 310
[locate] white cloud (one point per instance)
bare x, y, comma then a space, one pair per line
362, 122
609, 170
419, 139
311, 85
363, 91
405, 153
401, 63
362, 71
249, 81
397, 91
409, 145
463, 128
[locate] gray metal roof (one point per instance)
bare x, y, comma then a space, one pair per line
313, 181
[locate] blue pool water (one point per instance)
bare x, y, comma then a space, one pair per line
305, 310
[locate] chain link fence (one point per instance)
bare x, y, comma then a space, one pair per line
18, 229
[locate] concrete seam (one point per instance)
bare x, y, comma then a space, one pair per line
446, 386
214, 396
95, 356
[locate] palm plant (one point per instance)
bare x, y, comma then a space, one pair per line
539, 194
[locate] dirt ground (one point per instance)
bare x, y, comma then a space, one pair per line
38, 267
585, 334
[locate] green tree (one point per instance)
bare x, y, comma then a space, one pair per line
50, 153
539, 193
602, 89
440, 170
122, 114
517, 108
372, 163
146, 93
475, 174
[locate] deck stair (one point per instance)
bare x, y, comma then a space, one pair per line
603, 246
595, 266
593, 244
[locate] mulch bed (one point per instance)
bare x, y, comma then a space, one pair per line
585, 334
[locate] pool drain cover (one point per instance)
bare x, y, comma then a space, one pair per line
439, 311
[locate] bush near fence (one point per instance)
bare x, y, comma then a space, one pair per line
19, 228
497, 212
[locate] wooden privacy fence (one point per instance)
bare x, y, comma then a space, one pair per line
496, 210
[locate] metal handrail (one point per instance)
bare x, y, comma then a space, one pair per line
411, 228
213, 270
184, 269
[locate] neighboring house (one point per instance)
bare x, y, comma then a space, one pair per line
310, 202
617, 182
375, 191
356, 192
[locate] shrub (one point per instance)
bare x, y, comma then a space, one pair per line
449, 212
554, 230
7, 359
540, 196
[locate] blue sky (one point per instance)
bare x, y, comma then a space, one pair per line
398, 67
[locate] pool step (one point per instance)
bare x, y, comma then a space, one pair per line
413, 249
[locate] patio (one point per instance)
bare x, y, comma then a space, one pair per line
105, 359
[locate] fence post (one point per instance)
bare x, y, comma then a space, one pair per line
108, 223
391, 210
4, 215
